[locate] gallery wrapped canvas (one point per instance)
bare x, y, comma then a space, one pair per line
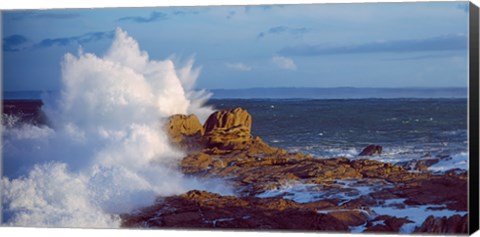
325, 118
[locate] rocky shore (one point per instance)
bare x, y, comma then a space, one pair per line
278, 190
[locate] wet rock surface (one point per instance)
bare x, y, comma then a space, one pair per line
276, 189
453, 224
371, 150
200, 209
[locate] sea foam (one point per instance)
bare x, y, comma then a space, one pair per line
105, 152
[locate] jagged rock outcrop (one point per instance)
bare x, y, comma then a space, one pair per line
185, 131
228, 120
371, 150
437, 225
225, 130
228, 129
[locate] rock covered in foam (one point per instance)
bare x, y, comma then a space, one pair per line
23, 111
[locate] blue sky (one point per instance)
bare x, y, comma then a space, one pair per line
320, 45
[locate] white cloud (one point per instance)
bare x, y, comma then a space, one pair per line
284, 63
238, 66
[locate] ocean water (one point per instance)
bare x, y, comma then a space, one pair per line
407, 129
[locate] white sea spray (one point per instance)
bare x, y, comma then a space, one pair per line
106, 152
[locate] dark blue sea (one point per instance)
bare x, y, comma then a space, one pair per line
407, 129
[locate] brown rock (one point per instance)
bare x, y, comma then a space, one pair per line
227, 119
350, 217
386, 223
450, 191
423, 165
371, 150
419, 165
200, 209
185, 131
454, 224
228, 129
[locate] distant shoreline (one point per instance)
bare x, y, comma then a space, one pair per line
340, 93
301, 93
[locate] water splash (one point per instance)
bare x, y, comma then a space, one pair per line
106, 152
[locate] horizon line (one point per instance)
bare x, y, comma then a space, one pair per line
283, 87
341, 87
